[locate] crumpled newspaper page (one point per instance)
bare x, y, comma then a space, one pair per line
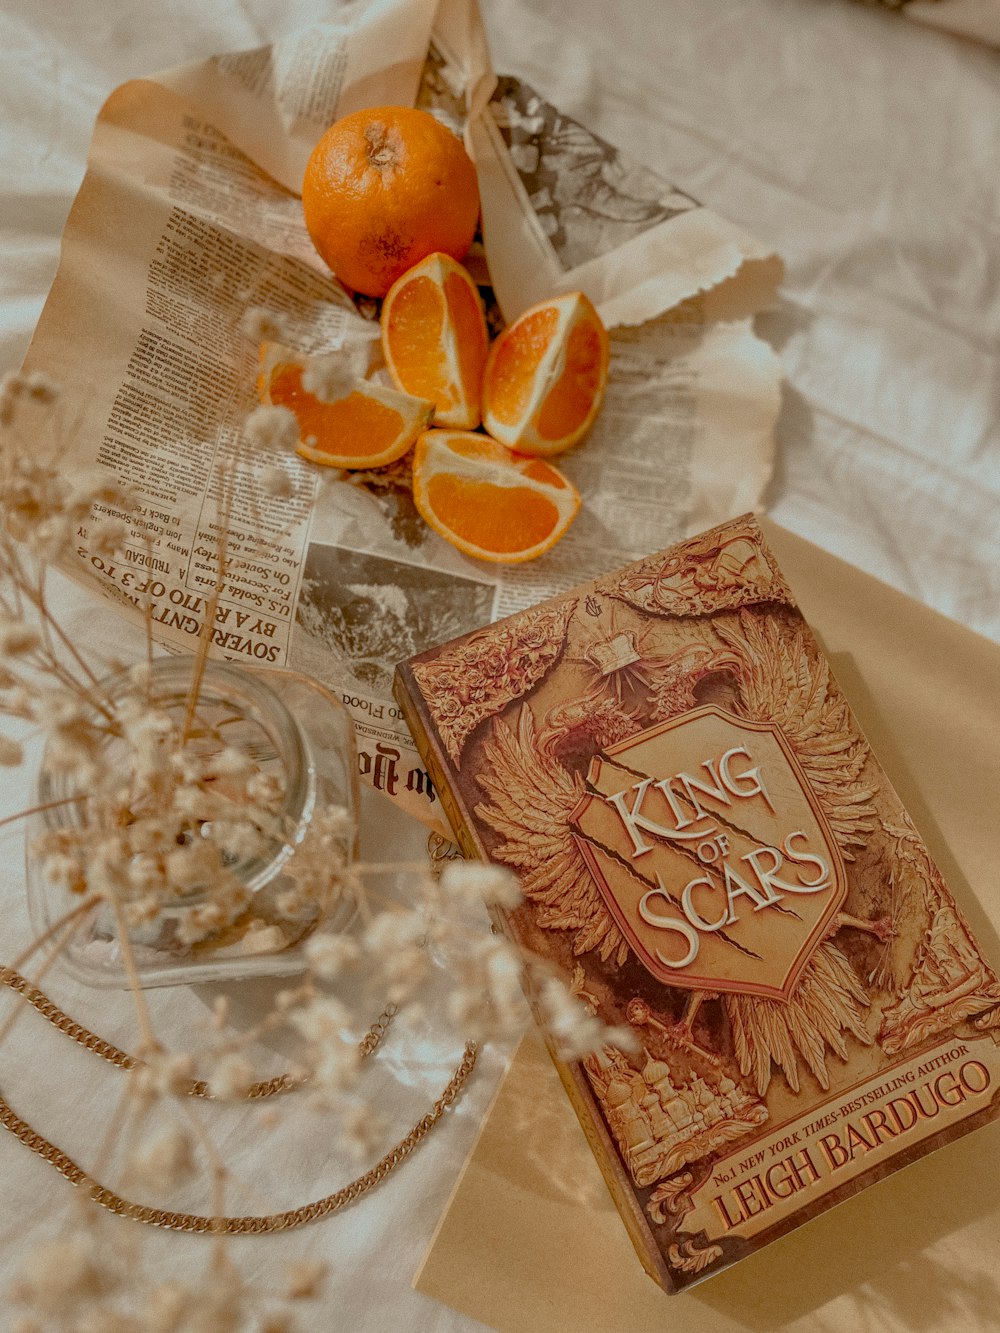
189, 216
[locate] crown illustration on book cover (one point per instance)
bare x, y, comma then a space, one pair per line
710, 851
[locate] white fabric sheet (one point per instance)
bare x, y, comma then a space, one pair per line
865, 148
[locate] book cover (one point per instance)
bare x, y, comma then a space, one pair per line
712, 854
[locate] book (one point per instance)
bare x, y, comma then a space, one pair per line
711, 854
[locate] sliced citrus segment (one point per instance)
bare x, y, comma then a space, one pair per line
545, 376
434, 338
356, 424
487, 501
384, 187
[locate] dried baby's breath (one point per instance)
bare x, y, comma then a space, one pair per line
163, 1159
276, 482
331, 954
576, 1030
11, 753
231, 1077
271, 429
163, 819
306, 1278
262, 325
476, 881
58, 1275
329, 378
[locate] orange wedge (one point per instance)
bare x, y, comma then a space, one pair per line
434, 339
364, 425
486, 500
545, 376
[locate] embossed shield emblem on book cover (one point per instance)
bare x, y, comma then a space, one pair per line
712, 854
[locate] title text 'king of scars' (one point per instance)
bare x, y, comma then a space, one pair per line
709, 901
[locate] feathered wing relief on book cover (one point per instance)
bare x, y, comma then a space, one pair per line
712, 854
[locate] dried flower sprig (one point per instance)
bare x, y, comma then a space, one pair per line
153, 812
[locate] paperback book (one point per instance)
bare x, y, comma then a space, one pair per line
712, 855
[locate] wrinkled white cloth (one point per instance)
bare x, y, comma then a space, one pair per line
867, 151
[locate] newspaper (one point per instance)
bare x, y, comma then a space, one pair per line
189, 216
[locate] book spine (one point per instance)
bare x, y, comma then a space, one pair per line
413, 717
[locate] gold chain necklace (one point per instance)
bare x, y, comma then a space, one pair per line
194, 1222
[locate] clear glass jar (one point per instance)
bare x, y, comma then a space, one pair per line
291, 728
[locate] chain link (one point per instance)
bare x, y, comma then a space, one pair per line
441, 850
195, 1222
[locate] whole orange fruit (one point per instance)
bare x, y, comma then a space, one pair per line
383, 189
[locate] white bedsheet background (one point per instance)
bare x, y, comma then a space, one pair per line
867, 151
865, 148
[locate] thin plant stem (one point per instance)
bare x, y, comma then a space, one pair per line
147, 625
381, 867
66, 919
50, 620
113, 1130
36, 597
18, 577
220, 1172
211, 606
48, 662
46, 805
149, 1039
